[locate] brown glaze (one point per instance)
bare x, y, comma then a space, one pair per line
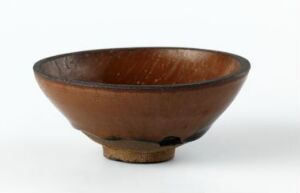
142, 99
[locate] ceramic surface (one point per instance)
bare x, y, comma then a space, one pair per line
141, 103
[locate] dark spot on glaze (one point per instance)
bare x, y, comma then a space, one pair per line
170, 140
197, 135
194, 137
113, 138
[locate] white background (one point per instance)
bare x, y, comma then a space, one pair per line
253, 147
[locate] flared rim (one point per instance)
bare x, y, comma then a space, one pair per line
241, 72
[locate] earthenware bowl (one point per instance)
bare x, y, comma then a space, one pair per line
141, 103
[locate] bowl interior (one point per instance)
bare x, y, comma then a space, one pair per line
143, 66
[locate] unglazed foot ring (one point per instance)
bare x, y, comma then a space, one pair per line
136, 156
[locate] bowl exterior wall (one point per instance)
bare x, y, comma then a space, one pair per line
141, 115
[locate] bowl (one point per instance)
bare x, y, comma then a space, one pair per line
142, 103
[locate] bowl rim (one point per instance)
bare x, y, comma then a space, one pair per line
241, 72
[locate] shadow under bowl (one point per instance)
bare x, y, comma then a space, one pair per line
141, 103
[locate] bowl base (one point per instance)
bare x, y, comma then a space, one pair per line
138, 156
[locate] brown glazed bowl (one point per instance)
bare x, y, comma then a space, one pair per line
141, 103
